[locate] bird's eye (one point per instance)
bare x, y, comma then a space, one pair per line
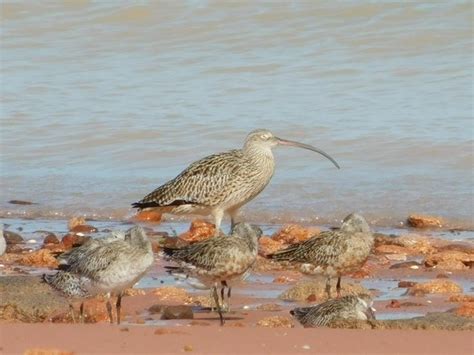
265, 136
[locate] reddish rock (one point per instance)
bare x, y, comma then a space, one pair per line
311, 298
424, 221
450, 260
363, 272
177, 312
134, 292
42, 257
276, 322
83, 228
442, 275
269, 246
76, 221
465, 310
95, 311
283, 279
199, 230
293, 233
148, 216
435, 286
73, 240
417, 244
50, 239
392, 249
393, 304
406, 284
171, 293
461, 298
462, 247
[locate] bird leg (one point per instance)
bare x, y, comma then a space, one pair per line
328, 287
109, 311
338, 287
218, 215
225, 305
71, 309
216, 299
118, 306
81, 312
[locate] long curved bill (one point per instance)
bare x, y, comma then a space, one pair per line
307, 146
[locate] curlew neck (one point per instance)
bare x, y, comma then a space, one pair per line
254, 149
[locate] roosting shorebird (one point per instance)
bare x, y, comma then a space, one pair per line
332, 253
224, 182
218, 261
106, 266
347, 307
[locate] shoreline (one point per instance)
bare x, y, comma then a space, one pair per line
411, 276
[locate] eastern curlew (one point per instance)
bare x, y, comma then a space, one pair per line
222, 183
347, 307
332, 253
219, 261
103, 267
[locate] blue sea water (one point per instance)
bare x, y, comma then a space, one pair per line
101, 102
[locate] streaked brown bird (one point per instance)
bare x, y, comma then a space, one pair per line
224, 182
333, 253
218, 261
347, 307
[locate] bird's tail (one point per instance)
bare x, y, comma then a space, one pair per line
47, 278
142, 205
283, 255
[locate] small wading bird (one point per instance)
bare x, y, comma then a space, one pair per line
332, 253
347, 307
106, 266
218, 261
224, 182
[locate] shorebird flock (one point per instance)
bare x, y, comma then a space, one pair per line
214, 186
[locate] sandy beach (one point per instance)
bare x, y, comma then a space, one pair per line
422, 288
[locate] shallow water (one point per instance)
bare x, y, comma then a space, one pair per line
104, 101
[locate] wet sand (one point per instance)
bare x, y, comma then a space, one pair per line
259, 297
103, 338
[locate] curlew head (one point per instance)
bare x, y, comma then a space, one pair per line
264, 139
355, 223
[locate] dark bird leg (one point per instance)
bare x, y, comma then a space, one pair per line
109, 311
328, 287
216, 299
223, 286
81, 314
338, 287
71, 309
118, 306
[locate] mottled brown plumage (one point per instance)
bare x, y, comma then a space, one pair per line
221, 183
218, 260
103, 267
332, 253
347, 307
